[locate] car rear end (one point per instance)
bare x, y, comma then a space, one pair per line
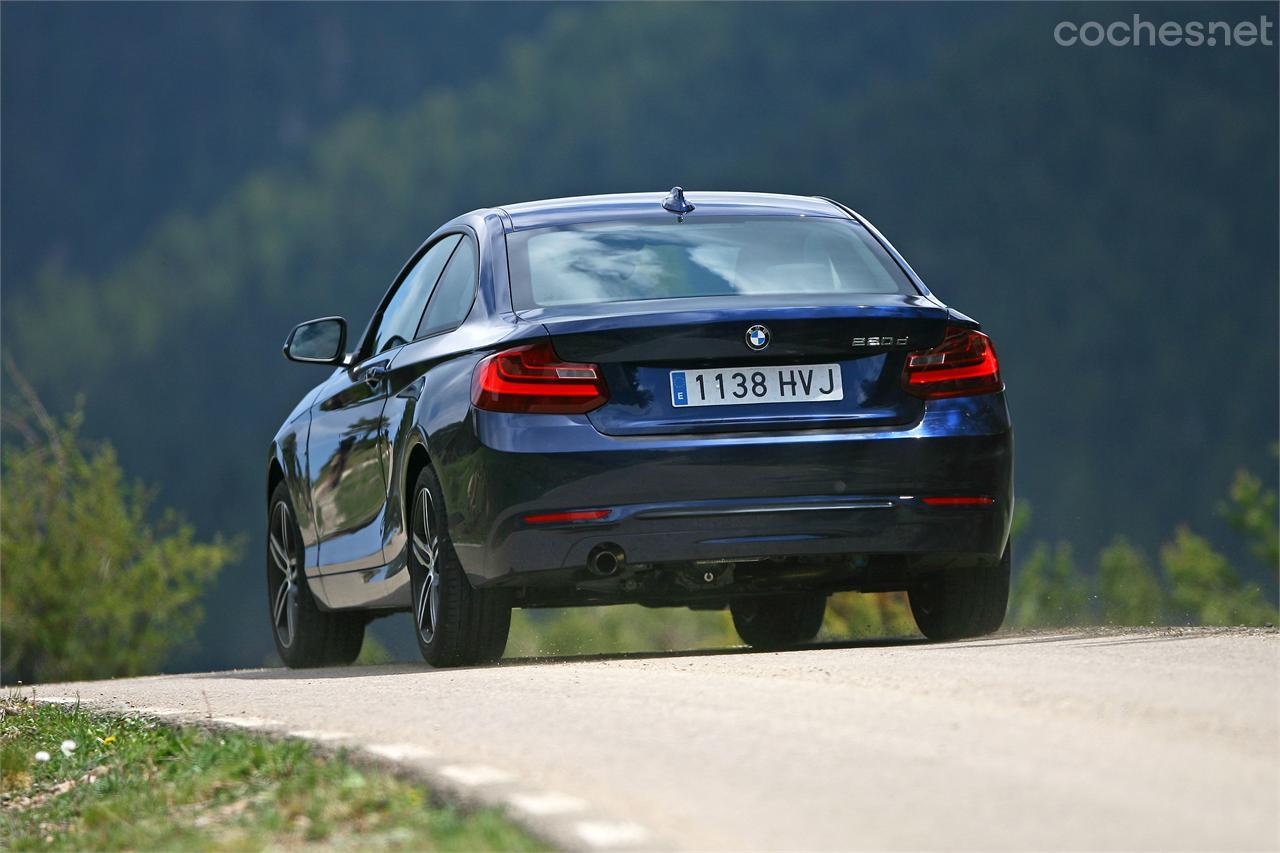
750, 397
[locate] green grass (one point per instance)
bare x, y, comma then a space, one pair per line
131, 783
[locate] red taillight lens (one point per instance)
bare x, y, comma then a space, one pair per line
532, 378
964, 363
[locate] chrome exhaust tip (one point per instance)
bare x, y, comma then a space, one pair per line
605, 560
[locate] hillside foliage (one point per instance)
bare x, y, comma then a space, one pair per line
1109, 215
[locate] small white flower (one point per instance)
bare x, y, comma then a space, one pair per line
68, 747
42, 756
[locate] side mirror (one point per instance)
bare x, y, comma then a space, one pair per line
322, 341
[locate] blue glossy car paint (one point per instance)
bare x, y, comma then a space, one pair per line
681, 487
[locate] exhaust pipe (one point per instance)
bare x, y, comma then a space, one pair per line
605, 560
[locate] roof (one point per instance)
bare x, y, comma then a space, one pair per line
560, 211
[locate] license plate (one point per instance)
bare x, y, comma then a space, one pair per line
739, 386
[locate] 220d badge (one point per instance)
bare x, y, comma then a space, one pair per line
552, 405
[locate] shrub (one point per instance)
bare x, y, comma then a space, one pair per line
1129, 591
91, 588
1205, 590
1049, 591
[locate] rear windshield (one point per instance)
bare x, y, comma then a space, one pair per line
709, 256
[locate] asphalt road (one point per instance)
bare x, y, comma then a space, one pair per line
1162, 740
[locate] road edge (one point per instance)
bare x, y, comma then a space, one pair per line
562, 821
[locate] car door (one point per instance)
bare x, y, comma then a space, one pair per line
346, 447
421, 377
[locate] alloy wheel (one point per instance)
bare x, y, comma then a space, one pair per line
284, 589
425, 546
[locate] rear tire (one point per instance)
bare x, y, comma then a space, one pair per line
305, 635
960, 603
455, 624
778, 621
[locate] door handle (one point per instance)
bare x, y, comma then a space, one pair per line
375, 373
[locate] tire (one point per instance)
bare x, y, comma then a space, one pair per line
778, 621
960, 603
455, 624
305, 635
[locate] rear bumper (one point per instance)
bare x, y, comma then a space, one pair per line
723, 497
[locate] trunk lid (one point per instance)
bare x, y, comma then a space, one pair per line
639, 344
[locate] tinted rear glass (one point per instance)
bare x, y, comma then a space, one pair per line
709, 256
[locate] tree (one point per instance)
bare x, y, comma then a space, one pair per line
90, 588
1252, 512
1049, 592
1128, 589
1205, 590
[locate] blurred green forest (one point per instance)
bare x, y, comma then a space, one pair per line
181, 184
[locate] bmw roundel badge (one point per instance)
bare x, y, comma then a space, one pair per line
758, 337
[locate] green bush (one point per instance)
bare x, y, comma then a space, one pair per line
90, 588
1205, 590
856, 615
1051, 592
1128, 591
605, 630
1252, 512
1195, 584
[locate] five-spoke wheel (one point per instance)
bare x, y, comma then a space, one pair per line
304, 634
426, 551
282, 585
455, 623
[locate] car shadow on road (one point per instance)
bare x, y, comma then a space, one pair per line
363, 671
552, 660
862, 643
1086, 637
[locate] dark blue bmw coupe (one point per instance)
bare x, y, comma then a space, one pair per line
708, 400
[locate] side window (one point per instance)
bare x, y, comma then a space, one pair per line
399, 320
451, 302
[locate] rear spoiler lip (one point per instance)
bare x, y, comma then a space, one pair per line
721, 308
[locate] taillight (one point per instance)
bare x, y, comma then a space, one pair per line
532, 378
964, 363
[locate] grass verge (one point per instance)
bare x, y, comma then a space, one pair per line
130, 783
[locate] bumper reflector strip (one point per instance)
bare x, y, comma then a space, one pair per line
562, 517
